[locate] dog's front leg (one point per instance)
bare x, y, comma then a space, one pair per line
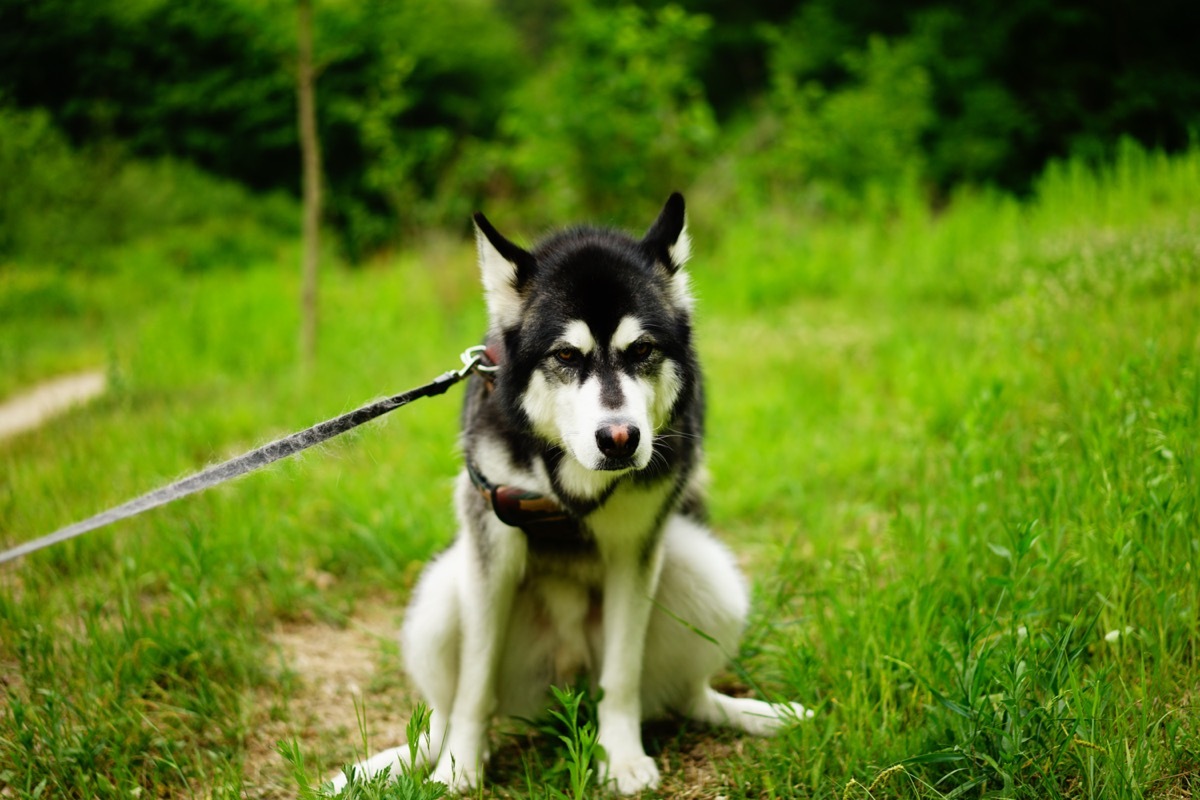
629, 587
486, 592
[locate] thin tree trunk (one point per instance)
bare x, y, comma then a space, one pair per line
310, 149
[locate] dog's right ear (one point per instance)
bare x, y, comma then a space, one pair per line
506, 269
667, 240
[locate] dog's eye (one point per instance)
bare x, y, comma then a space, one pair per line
641, 351
568, 355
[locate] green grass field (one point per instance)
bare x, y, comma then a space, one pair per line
957, 453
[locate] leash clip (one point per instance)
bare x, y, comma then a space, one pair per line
472, 359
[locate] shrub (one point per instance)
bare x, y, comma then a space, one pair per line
67, 207
839, 149
618, 113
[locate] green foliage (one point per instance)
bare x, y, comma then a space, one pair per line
980, 254
406, 93
981, 124
136, 698
1011, 565
198, 80
139, 677
616, 113
64, 207
43, 187
566, 109
841, 149
1016, 84
578, 736
410, 93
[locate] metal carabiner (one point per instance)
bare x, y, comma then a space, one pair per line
472, 360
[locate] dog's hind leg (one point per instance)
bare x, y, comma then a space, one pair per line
758, 717
397, 760
429, 640
700, 610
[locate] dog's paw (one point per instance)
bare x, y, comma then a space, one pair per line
458, 779
394, 761
633, 775
336, 784
800, 712
779, 716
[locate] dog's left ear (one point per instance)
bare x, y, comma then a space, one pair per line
667, 240
505, 268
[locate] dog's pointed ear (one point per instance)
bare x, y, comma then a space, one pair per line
668, 243
668, 240
505, 268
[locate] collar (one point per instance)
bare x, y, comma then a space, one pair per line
546, 524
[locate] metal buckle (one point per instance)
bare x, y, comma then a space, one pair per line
472, 359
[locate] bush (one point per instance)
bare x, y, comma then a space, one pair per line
70, 208
618, 113
840, 149
408, 92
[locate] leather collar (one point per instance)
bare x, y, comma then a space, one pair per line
546, 524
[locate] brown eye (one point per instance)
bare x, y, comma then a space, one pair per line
641, 351
568, 356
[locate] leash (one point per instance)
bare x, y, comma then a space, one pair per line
473, 360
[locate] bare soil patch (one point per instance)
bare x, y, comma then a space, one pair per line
30, 409
337, 674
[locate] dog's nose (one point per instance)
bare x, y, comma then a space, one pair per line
617, 440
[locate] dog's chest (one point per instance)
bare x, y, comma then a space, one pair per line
566, 590
630, 518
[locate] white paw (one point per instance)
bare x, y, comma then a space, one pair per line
458, 779
799, 712
779, 716
337, 783
394, 761
633, 775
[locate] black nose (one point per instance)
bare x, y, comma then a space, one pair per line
618, 440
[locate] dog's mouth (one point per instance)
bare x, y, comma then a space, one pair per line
609, 464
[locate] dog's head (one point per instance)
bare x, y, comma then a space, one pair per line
596, 333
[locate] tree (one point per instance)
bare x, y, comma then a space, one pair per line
310, 148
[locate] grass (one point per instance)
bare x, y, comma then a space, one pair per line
958, 454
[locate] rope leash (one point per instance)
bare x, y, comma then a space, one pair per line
472, 360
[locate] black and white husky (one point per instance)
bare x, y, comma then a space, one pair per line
582, 544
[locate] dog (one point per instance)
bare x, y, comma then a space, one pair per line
582, 544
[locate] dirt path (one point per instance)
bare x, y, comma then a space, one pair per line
30, 409
335, 669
